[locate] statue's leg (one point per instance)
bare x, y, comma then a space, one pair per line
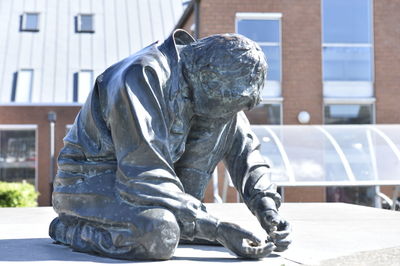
150, 234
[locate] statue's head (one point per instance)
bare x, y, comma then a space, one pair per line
226, 74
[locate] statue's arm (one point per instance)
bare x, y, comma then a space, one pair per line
249, 171
251, 176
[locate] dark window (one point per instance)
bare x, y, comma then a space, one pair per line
83, 82
349, 114
22, 87
266, 114
85, 23
17, 155
29, 22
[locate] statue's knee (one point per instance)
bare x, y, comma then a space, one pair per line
161, 234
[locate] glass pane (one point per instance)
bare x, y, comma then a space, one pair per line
348, 114
24, 86
265, 114
358, 148
260, 30
354, 195
271, 153
17, 155
273, 55
308, 150
354, 143
31, 21
386, 147
346, 155
86, 22
85, 85
346, 21
347, 63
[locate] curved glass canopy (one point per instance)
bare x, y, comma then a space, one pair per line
332, 155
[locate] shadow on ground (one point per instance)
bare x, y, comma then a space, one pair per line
43, 249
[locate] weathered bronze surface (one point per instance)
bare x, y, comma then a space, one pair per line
140, 154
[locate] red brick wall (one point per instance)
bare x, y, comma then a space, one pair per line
387, 60
37, 115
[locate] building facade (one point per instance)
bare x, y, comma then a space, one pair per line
50, 54
330, 61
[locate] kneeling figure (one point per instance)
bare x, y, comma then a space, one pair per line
141, 152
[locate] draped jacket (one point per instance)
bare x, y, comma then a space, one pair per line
135, 140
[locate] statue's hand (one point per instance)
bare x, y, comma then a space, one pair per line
277, 228
242, 242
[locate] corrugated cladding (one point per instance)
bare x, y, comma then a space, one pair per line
56, 52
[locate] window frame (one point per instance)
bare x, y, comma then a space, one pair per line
27, 127
24, 19
329, 88
78, 23
16, 87
274, 85
77, 89
339, 101
278, 101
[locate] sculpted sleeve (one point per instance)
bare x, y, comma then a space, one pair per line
249, 172
145, 176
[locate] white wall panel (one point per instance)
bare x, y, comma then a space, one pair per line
11, 61
134, 23
57, 52
85, 39
49, 52
122, 30
26, 38
61, 57
5, 20
98, 45
168, 18
38, 51
110, 32
156, 20
145, 23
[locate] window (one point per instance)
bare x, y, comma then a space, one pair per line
29, 22
352, 113
265, 29
347, 50
23, 88
83, 85
18, 153
85, 23
266, 114
349, 114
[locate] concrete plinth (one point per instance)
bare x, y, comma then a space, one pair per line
323, 234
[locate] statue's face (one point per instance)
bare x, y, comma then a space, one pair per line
221, 96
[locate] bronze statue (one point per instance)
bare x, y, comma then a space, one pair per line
140, 154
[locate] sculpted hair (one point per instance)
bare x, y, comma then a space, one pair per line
227, 56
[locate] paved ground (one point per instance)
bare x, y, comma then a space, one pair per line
324, 234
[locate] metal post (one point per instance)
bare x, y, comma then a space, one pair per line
396, 192
52, 117
197, 19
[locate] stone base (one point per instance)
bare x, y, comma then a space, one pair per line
323, 234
